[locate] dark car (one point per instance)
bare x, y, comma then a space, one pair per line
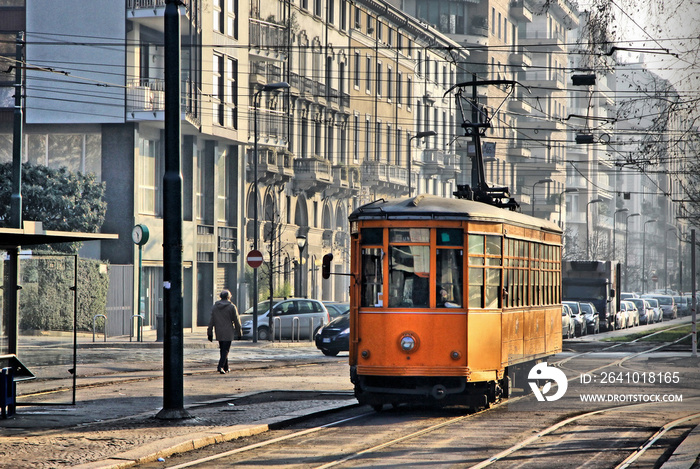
336, 309
592, 317
334, 337
578, 317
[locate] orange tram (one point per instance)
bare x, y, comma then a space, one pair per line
448, 297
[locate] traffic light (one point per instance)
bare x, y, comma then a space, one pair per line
326, 267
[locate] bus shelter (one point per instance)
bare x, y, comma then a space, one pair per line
13, 242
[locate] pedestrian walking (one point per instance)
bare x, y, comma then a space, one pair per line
226, 322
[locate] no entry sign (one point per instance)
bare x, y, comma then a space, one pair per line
254, 258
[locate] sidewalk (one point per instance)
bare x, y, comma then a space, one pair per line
113, 423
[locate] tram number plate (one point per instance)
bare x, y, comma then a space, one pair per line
326, 340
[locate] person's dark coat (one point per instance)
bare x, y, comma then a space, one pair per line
225, 321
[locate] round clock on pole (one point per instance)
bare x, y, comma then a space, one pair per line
139, 234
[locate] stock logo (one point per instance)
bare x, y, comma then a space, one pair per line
543, 372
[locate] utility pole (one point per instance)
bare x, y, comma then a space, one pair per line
16, 201
173, 347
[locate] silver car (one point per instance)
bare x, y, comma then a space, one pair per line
658, 313
295, 318
646, 312
667, 305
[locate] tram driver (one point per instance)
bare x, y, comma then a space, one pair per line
443, 300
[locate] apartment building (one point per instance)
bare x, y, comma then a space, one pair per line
364, 79
523, 41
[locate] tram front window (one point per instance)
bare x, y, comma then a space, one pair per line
409, 276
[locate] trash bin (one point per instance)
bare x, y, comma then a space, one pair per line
160, 328
8, 392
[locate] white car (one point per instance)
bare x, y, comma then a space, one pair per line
295, 318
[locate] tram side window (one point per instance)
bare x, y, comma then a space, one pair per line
409, 276
372, 277
485, 259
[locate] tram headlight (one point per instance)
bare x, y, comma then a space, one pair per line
408, 343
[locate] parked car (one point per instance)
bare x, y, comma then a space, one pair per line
567, 322
580, 328
334, 337
658, 313
682, 304
668, 306
297, 316
262, 307
621, 317
632, 313
336, 309
689, 301
592, 317
646, 312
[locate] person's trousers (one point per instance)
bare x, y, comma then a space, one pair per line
224, 347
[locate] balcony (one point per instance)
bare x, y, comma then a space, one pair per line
312, 174
518, 104
268, 169
520, 12
285, 165
547, 125
263, 73
145, 95
267, 41
451, 169
145, 101
345, 181
432, 161
518, 149
520, 57
545, 82
545, 42
151, 12
385, 177
272, 128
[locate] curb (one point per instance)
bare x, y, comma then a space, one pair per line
181, 444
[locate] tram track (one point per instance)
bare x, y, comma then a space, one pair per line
367, 451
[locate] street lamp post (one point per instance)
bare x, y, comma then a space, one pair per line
426, 133
627, 225
532, 202
588, 238
561, 202
301, 243
256, 102
666, 259
644, 253
615, 229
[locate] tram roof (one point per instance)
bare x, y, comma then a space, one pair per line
441, 208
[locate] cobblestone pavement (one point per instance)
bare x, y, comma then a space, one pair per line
121, 390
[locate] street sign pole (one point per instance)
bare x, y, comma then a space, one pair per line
255, 259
